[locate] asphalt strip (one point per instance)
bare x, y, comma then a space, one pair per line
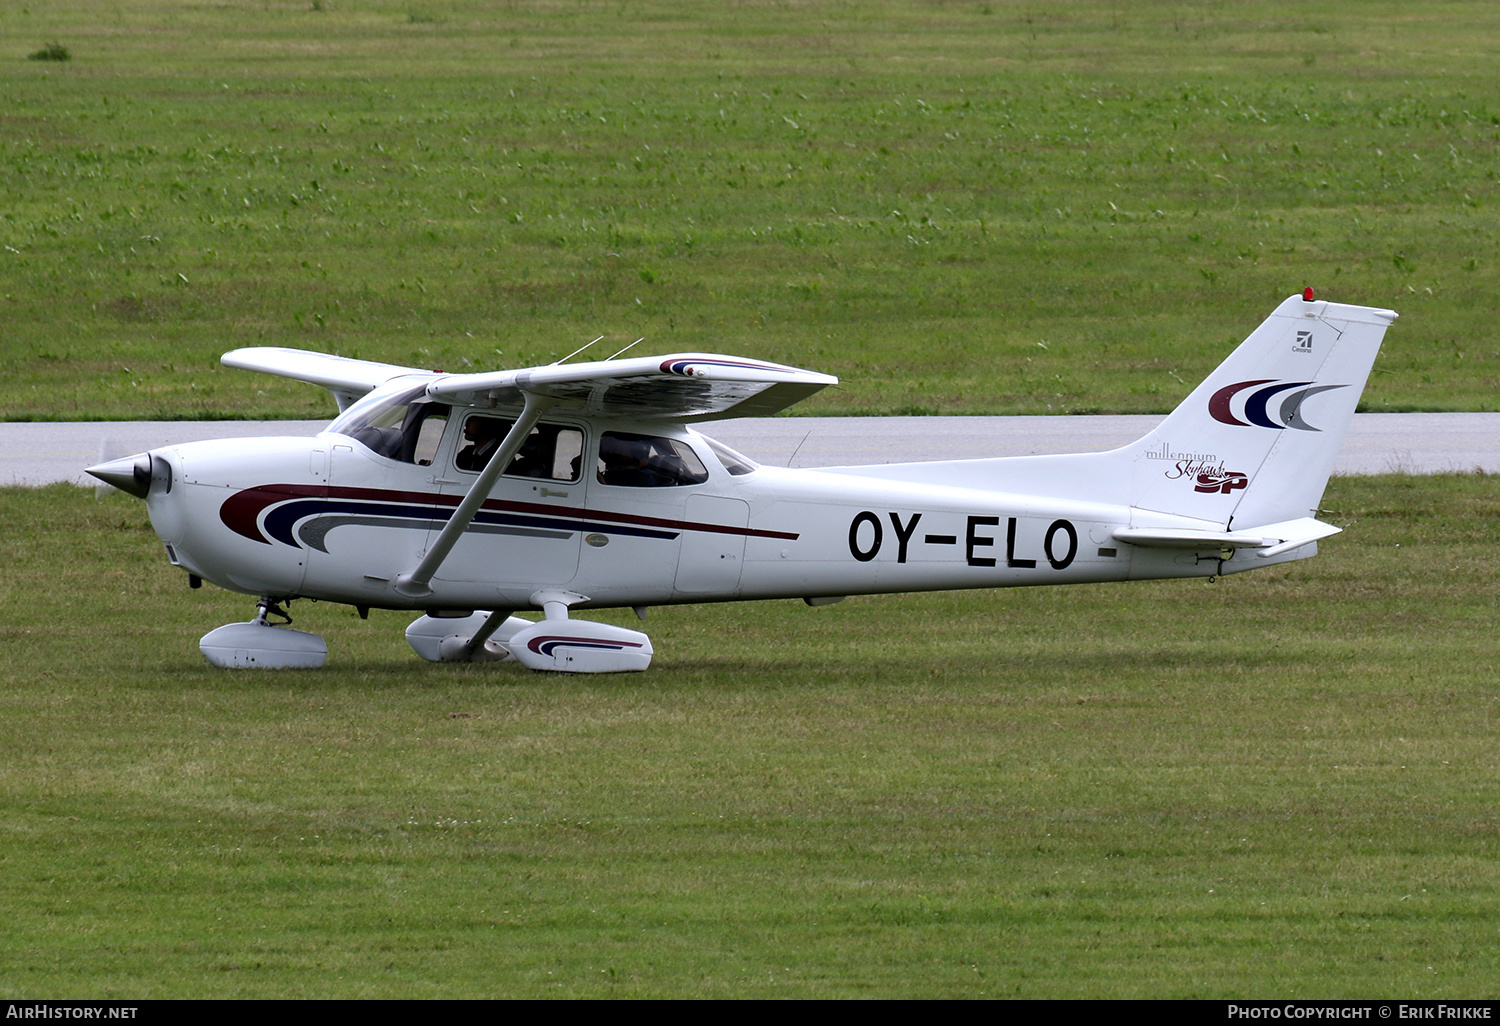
1377, 443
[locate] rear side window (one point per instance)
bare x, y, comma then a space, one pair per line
647, 461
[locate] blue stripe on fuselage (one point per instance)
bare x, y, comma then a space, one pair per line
280, 521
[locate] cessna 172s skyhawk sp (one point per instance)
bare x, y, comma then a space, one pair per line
580, 486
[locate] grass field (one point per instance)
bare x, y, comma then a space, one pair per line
965, 207
1281, 784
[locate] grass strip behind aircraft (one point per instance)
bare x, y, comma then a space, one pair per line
583, 486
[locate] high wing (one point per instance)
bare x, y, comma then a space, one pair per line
346, 378
686, 386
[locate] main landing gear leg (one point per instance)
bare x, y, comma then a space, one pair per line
476, 638
258, 645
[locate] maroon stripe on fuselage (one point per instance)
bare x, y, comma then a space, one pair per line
241, 511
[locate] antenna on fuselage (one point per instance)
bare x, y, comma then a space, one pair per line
799, 447
631, 346
574, 353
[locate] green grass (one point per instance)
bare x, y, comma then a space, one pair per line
986, 207
1281, 784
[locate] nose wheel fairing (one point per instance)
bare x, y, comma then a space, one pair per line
258, 645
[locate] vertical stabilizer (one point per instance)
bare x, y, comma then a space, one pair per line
1255, 442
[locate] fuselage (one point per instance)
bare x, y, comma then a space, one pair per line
339, 516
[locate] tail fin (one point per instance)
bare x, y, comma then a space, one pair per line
1254, 444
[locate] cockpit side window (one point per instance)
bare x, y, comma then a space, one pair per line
551, 452
429, 434
647, 461
405, 426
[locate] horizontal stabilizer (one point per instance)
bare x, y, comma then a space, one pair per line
1271, 540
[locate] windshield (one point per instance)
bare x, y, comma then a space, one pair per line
403, 425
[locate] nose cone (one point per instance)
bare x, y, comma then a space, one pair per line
131, 474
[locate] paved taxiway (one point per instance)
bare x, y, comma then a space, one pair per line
1378, 443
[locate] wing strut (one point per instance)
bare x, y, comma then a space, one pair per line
418, 583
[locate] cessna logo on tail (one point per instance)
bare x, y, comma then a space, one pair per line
1257, 406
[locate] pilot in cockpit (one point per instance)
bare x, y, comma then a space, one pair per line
483, 436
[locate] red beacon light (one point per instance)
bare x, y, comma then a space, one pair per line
1307, 294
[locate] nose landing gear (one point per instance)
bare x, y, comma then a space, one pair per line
258, 645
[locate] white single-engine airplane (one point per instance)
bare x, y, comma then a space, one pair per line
583, 486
